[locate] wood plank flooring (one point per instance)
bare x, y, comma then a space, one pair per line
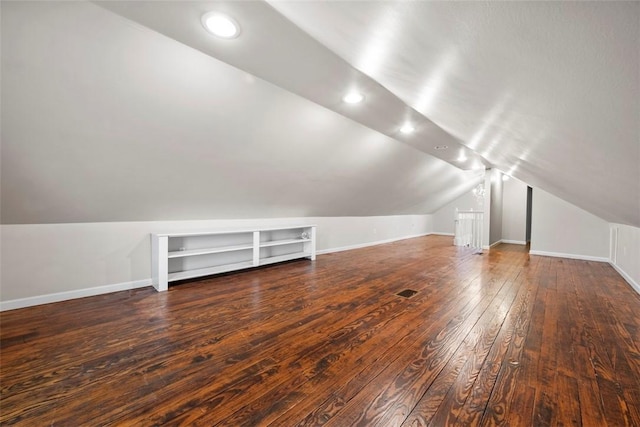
502, 338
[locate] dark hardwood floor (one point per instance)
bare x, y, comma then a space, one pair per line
500, 338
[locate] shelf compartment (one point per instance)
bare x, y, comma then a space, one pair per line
280, 258
282, 242
206, 251
207, 242
189, 274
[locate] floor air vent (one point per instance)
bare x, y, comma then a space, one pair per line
407, 293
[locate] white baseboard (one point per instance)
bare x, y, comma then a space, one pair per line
494, 244
569, 256
364, 245
99, 290
67, 295
625, 276
437, 233
511, 242
514, 242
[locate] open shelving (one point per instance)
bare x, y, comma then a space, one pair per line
179, 256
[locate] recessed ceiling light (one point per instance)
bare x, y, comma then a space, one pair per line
353, 98
407, 128
441, 147
221, 25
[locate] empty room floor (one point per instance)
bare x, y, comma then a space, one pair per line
498, 338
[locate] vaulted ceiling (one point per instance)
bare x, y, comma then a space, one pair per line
131, 111
546, 91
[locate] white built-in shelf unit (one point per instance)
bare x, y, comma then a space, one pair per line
179, 256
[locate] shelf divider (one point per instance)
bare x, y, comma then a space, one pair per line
256, 248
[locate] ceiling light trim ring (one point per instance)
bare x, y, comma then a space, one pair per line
407, 128
221, 25
353, 97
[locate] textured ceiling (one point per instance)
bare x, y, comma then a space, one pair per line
105, 120
546, 91
275, 49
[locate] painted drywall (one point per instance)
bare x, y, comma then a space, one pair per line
514, 211
443, 218
547, 91
559, 228
105, 120
625, 253
496, 204
40, 260
294, 61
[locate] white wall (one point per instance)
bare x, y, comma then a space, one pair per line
443, 218
625, 253
514, 211
51, 262
561, 229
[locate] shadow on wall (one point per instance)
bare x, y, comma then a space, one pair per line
139, 258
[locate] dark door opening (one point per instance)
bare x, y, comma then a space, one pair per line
529, 203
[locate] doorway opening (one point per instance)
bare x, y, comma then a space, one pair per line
529, 209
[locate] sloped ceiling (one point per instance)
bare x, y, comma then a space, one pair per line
97, 109
106, 120
546, 91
